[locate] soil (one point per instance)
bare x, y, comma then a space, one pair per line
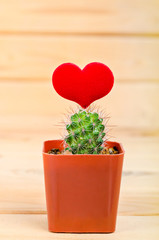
54, 151
106, 150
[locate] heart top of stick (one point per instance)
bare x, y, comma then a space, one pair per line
83, 86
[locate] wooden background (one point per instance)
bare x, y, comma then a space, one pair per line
35, 37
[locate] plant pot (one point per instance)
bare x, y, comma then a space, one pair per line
82, 191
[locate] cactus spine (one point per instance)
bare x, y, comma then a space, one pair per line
85, 133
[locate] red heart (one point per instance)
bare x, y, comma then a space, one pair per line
83, 86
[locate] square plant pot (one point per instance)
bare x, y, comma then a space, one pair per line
82, 191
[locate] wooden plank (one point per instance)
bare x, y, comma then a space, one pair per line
15, 227
34, 57
84, 16
130, 106
22, 191
141, 151
22, 181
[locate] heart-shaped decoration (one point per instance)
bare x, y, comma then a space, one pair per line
83, 86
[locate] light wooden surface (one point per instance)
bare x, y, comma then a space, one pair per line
35, 57
35, 37
33, 226
82, 17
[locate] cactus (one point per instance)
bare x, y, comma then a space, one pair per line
85, 133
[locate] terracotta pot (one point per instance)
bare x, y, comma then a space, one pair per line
82, 191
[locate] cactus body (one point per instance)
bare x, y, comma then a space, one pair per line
85, 133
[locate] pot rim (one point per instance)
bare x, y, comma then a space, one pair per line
79, 155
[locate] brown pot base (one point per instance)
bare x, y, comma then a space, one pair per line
82, 191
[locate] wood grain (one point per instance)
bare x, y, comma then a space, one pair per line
22, 191
35, 57
84, 16
21, 169
15, 227
130, 105
24, 143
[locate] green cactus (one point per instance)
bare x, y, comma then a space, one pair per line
85, 133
